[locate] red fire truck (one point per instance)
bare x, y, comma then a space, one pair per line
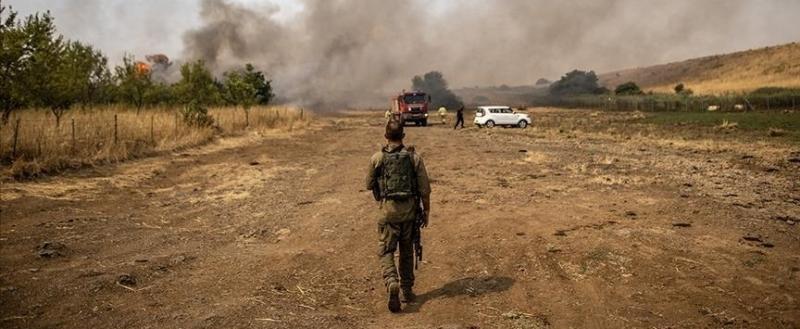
411, 107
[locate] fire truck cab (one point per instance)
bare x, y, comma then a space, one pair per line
411, 107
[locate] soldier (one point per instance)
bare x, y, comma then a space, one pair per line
398, 179
459, 118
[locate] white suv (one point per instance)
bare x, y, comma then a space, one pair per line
490, 116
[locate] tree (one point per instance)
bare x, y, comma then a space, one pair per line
74, 77
576, 83
133, 84
628, 88
238, 91
159, 94
50, 78
542, 82
91, 67
197, 85
260, 83
13, 63
434, 84
680, 89
246, 88
197, 89
41, 68
78, 74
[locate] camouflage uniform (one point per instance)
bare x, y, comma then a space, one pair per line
397, 221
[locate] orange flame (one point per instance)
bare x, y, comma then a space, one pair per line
142, 68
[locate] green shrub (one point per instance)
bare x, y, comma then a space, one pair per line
628, 88
196, 115
576, 83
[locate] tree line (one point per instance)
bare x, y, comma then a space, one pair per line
577, 82
581, 89
41, 68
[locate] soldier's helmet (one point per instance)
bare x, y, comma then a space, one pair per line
394, 130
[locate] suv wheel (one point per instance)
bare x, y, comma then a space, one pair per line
522, 124
490, 124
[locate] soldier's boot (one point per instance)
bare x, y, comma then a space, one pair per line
408, 295
394, 298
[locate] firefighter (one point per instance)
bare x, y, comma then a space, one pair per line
443, 114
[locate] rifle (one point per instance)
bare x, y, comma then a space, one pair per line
416, 234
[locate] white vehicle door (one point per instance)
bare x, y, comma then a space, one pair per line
495, 115
508, 116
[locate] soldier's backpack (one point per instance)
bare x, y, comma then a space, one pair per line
398, 179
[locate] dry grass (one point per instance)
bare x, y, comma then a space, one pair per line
87, 137
736, 72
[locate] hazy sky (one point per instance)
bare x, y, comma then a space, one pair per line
148, 26
129, 26
311, 46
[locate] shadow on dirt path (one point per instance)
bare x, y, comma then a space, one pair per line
471, 286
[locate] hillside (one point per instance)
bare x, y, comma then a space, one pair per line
505, 95
739, 71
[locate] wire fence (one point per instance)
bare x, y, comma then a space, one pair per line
112, 133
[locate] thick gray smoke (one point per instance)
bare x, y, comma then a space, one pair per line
355, 52
359, 52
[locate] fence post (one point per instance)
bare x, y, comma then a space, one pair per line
301, 109
246, 118
73, 136
152, 134
176, 124
16, 137
115, 129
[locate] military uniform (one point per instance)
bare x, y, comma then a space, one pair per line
396, 222
459, 118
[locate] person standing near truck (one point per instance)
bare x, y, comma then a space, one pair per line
459, 117
443, 114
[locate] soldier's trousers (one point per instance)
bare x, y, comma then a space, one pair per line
393, 235
459, 120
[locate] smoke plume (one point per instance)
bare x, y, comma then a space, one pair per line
359, 52
353, 52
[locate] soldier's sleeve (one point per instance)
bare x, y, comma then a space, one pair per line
423, 184
373, 164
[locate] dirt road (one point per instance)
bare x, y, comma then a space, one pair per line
547, 227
